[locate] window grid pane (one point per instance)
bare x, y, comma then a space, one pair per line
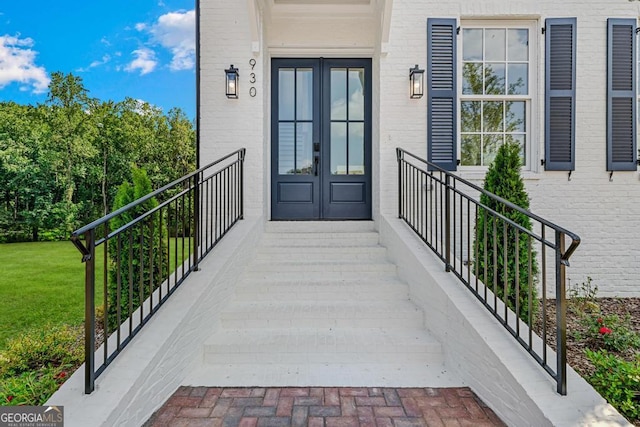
495, 68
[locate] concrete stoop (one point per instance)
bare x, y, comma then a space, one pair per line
321, 305
326, 304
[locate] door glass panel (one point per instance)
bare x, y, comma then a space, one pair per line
356, 94
338, 94
286, 94
356, 149
304, 94
304, 147
286, 149
339, 148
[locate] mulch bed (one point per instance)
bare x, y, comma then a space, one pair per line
575, 348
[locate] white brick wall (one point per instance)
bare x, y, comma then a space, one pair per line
605, 214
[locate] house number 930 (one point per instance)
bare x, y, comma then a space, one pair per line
252, 78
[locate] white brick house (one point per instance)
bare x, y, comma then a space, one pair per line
601, 207
323, 104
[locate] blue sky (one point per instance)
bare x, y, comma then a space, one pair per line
143, 49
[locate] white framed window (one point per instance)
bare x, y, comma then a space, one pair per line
497, 79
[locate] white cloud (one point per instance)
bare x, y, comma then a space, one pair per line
141, 26
175, 31
105, 59
17, 64
145, 61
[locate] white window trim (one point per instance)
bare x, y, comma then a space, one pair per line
532, 136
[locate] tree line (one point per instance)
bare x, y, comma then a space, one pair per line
62, 161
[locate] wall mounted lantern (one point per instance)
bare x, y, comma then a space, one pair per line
231, 80
416, 81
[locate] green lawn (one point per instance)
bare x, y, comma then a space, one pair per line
39, 283
43, 283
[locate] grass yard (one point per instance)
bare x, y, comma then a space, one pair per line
40, 283
43, 283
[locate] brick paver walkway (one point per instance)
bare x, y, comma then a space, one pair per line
323, 407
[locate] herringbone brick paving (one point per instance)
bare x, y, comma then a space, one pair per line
323, 407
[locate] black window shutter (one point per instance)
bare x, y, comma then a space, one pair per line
560, 94
621, 95
442, 92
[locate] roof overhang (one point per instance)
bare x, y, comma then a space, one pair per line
272, 12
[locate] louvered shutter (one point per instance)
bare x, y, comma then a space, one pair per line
621, 95
560, 94
442, 92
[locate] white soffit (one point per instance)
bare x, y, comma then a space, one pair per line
376, 11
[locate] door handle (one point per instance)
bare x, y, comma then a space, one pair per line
316, 162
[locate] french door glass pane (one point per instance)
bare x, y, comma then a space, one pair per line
339, 148
338, 94
356, 93
286, 94
356, 149
304, 147
304, 94
286, 149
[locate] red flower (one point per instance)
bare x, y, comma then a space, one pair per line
62, 375
9, 398
599, 320
605, 331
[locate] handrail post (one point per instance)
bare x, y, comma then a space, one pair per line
447, 222
90, 312
399, 156
196, 220
242, 154
561, 316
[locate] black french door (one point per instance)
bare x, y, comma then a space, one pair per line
321, 139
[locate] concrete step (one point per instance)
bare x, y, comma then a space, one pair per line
327, 276
348, 290
312, 266
331, 239
393, 373
336, 346
321, 304
318, 226
321, 314
321, 253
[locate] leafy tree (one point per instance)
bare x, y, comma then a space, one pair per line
143, 241
61, 162
68, 118
503, 179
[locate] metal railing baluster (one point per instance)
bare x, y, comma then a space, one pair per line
186, 208
440, 217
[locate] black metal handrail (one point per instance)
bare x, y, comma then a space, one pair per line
148, 249
445, 211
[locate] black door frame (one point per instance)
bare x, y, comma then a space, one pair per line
323, 196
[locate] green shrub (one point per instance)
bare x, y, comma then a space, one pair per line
51, 346
34, 365
149, 250
618, 381
609, 332
582, 298
31, 388
503, 179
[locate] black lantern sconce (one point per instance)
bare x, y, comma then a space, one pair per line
416, 81
231, 82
